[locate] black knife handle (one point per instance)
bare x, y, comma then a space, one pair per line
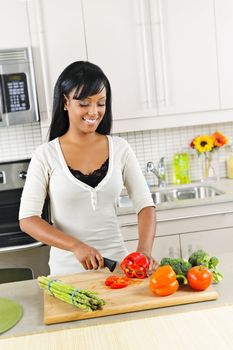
110, 264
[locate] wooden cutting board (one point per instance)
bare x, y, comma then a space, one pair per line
137, 296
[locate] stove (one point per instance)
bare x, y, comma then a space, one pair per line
12, 179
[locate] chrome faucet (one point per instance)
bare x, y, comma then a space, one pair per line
159, 172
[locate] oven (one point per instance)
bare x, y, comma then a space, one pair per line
17, 249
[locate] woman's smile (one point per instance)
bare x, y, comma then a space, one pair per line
90, 120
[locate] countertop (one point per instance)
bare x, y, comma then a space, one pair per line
28, 294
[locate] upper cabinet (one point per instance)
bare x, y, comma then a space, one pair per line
14, 29
117, 37
224, 31
167, 60
61, 38
184, 46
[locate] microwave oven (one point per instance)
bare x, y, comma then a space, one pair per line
18, 98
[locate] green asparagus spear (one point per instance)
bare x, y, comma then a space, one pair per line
86, 300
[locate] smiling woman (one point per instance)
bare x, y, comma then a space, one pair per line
83, 169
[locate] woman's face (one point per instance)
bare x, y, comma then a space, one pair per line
85, 115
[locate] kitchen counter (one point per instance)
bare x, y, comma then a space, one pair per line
28, 294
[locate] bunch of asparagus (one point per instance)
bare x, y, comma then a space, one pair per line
86, 300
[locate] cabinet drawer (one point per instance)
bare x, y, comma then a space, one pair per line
129, 232
182, 224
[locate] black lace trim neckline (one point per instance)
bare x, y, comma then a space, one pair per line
94, 178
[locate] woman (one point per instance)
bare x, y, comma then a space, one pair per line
83, 169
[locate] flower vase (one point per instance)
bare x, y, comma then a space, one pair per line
210, 166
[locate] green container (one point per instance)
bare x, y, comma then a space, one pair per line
181, 168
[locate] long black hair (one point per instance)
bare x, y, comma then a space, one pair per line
88, 79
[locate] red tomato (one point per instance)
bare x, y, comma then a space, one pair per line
199, 277
116, 282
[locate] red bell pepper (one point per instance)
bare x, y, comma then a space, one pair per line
135, 265
117, 282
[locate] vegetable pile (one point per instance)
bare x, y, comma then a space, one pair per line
199, 271
86, 300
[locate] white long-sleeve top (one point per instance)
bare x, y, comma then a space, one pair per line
78, 209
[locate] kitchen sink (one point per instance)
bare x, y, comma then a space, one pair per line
176, 194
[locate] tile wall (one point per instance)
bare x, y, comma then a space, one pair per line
153, 144
19, 142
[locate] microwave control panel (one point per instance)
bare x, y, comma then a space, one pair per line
15, 92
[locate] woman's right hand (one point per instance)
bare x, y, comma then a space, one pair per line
89, 257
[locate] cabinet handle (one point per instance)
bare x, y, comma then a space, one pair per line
163, 55
145, 53
43, 57
159, 52
184, 217
171, 252
20, 247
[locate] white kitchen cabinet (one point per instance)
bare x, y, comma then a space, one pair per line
168, 61
14, 28
62, 38
160, 57
215, 242
184, 45
117, 40
224, 31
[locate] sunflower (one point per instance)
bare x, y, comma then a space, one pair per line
203, 143
219, 139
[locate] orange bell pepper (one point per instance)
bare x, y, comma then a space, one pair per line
163, 281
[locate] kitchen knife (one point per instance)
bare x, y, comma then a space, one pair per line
110, 264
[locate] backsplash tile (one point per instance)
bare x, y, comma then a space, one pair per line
19, 142
154, 144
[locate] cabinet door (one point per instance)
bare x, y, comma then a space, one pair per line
224, 30
185, 55
163, 246
63, 40
117, 34
14, 28
215, 242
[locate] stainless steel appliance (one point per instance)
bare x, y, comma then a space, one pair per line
17, 249
18, 100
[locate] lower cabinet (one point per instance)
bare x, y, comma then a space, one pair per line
215, 242
182, 244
